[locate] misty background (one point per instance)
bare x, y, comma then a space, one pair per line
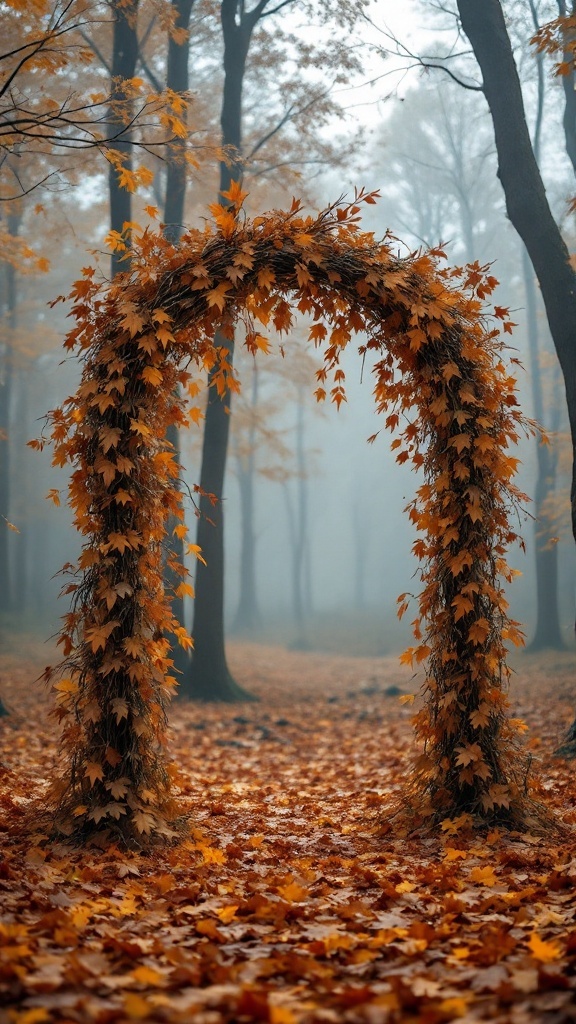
332, 545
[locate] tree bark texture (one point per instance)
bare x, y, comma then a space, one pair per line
547, 633
123, 66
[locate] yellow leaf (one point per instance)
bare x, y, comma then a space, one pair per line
66, 686
484, 876
407, 698
542, 950
227, 914
451, 853
405, 887
195, 549
211, 855
53, 495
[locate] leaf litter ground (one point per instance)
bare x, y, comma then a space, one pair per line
292, 899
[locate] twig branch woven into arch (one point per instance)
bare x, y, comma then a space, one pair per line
435, 359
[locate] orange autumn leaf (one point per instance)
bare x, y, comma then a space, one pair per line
542, 950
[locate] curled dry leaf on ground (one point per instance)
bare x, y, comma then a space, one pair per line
294, 897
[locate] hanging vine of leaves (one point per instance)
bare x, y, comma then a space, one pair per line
444, 388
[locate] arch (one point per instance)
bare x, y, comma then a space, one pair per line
438, 371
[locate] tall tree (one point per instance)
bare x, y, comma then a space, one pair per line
121, 115
8, 313
248, 613
210, 677
526, 201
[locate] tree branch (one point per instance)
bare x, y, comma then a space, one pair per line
442, 67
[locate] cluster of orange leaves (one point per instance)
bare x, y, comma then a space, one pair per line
439, 371
293, 899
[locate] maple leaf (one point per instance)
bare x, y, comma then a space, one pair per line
235, 194
479, 631
460, 442
463, 606
109, 438
467, 755
266, 278
217, 296
144, 821
94, 772
54, 495
480, 718
97, 636
119, 708
484, 876
118, 788
451, 853
542, 950
152, 376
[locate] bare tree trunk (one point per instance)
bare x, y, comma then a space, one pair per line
210, 678
526, 201
22, 503
547, 632
124, 57
5, 396
9, 301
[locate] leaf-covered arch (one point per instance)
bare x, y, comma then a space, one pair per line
443, 387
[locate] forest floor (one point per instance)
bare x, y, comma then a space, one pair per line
291, 901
